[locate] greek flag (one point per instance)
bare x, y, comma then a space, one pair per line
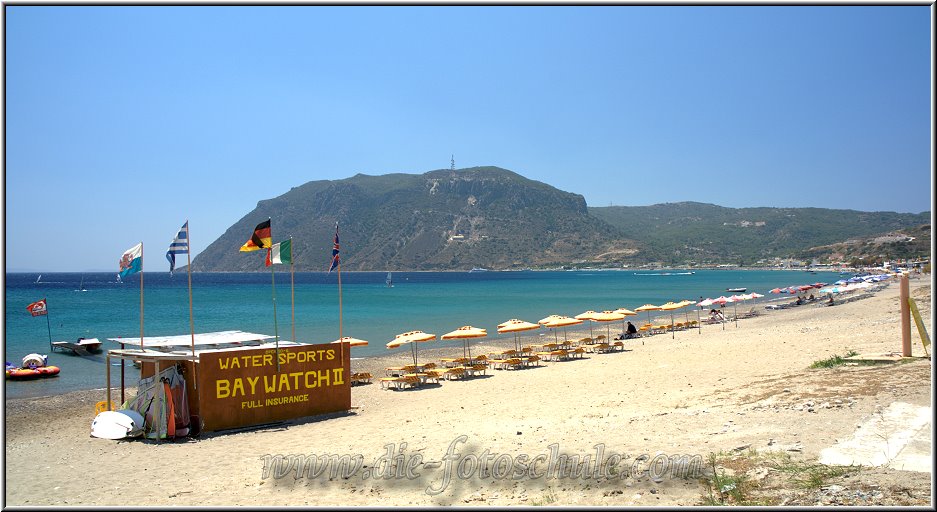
179, 245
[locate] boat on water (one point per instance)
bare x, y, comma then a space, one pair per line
34, 366
390, 280
478, 269
666, 273
738, 290
82, 346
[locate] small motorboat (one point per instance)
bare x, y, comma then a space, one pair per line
34, 366
737, 290
82, 346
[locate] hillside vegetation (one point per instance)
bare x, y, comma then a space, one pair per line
440, 220
494, 218
706, 233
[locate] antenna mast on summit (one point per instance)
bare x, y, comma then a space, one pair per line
452, 163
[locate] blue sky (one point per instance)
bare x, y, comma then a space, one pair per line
123, 122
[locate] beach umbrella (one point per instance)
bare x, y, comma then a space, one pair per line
671, 306
354, 342
562, 321
550, 318
648, 308
412, 337
722, 300
775, 290
587, 316
514, 325
608, 317
627, 312
686, 313
466, 332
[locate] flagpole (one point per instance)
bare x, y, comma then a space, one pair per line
48, 323
292, 293
276, 334
188, 261
340, 335
141, 307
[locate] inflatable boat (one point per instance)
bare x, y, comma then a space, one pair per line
34, 366
32, 373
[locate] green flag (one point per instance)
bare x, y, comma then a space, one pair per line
280, 253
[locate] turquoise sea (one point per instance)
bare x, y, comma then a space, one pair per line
96, 305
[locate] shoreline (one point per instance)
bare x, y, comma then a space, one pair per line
503, 341
695, 394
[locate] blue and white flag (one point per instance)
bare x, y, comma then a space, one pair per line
179, 245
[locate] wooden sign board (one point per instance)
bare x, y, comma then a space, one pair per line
245, 387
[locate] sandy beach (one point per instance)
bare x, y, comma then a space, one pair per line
746, 391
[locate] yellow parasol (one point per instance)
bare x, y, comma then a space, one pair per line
671, 306
413, 337
466, 332
352, 342
560, 321
648, 308
626, 312
608, 317
514, 325
587, 316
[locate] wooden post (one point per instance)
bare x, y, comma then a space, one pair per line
107, 362
903, 295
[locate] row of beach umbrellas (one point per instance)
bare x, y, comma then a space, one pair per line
554, 322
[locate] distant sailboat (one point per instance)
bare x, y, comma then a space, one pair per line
38, 278
390, 280
81, 286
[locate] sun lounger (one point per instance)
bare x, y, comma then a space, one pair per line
400, 370
532, 361
554, 355
400, 382
429, 376
454, 373
508, 364
360, 378
618, 345
577, 353
603, 348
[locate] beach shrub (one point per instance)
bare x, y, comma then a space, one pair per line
835, 360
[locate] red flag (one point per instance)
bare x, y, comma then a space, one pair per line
37, 308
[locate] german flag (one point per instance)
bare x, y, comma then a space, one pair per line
260, 239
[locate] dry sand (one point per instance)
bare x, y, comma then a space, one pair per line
719, 391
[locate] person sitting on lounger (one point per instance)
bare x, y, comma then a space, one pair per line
715, 315
830, 300
800, 300
632, 331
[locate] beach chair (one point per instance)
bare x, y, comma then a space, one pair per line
452, 373
603, 348
360, 378
578, 353
427, 377
509, 364
618, 345
532, 361
389, 382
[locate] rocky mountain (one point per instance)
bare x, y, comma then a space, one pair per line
441, 220
494, 218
